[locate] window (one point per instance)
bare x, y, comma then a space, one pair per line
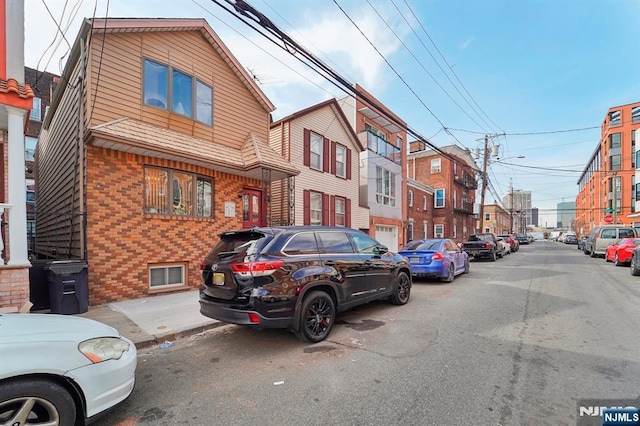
364, 243
614, 118
158, 78
633, 149
385, 187
36, 110
316, 208
455, 230
303, 243
204, 103
410, 198
614, 140
156, 82
30, 148
334, 242
487, 216
635, 114
436, 165
409, 231
424, 230
166, 275
317, 148
615, 162
182, 94
340, 211
424, 203
439, 198
172, 192
438, 231
341, 161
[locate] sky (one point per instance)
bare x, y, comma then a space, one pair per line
536, 76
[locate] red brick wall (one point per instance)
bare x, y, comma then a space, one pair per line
14, 286
122, 240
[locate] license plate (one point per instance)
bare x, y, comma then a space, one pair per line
414, 260
473, 251
218, 278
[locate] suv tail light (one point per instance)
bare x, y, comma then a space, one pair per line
256, 269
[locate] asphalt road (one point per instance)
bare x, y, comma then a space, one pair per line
519, 341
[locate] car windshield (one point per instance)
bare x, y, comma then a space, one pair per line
423, 245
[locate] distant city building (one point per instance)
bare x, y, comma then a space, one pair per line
534, 217
518, 203
566, 212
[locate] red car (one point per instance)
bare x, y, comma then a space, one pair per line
620, 252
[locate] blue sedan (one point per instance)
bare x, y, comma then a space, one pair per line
436, 258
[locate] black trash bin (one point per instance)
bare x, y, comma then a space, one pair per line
68, 287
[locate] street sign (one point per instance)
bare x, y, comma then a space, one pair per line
608, 210
608, 218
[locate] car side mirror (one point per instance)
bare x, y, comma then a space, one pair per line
381, 250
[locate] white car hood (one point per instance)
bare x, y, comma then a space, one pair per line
49, 327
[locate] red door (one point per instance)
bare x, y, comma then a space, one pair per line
252, 212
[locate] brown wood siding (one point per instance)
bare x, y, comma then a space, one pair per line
59, 205
236, 112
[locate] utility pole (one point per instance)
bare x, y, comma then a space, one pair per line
484, 180
615, 196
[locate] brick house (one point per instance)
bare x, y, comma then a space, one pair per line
321, 143
496, 219
382, 185
451, 172
419, 210
155, 142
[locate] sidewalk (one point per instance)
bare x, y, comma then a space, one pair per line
154, 320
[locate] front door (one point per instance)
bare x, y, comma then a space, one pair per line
252, 211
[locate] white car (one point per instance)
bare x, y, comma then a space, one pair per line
61, 370
506, 247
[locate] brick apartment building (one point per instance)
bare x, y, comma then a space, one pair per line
607, 187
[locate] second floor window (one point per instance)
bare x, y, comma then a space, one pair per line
158, 78
439, 198
424, 203
36, 110
487, 216
410, 198
317, 150
30, 148
438, 231
385, 187
341, 161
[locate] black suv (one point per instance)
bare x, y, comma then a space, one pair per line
298, 277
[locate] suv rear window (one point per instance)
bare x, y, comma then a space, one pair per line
626, 233
236, 243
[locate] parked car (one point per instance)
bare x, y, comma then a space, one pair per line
298, 277
436, 258
511, 239
634, 265
61, 370
522, 238
601, 236
620, 251
581, 242
570, 239
483, 245
506, 247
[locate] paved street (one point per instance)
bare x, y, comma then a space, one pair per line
515, 342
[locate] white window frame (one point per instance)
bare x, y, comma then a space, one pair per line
166, 267
425, 228
341, 207
410, 198
316, 158
424, 203
438, 231
455, 230
487, 216
436, 165
341, 166
385, 187
315, 198
435, 198
409, 231
36, 110
30, 144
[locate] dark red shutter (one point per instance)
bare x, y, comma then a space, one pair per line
325, 151
347, 213
332, 210
325, 210
307, 207
333, 157
348, 164
307, 147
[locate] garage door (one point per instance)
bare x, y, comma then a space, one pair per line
387, 235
